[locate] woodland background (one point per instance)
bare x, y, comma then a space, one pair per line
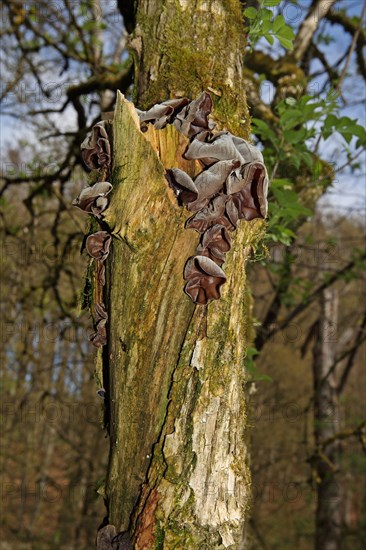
62, 63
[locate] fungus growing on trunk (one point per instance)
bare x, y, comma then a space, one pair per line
204, 279
161, 114
99, 337
211, 181
184, 188
214, 213
96, 149
97, 245
215, 242
209, 148
193, 119
105, 536
94, 199
249, 192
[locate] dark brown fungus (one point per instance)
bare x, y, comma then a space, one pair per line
249, 152
215, 242
158, 115
232, 186
161, 114
184, 188
204, 279
211, 181
214, 213
94, 199
98, 244
231, 213
209, 149
194, 117
105, 537
99, 337
249, 194
96, 149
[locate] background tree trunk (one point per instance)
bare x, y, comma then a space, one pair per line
329, 512
178, 470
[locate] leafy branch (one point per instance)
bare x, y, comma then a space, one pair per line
264, 24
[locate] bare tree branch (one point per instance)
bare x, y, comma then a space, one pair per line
318, 10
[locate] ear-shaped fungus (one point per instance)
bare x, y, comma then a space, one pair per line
94, 199
162, 113
214, 213
211, 181
194, 117
96, 149
249, 192
182, 184
249, 152
209, 149
204, 279
215, 242
97, 245
99, 338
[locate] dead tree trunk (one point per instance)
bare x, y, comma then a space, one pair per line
329, 516
178, 471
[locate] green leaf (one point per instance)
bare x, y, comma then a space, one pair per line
285, 42
282, 182
286, 231
271, 3
330, 121
295, 136
291, 118
308, 159
266, 26
278, 23
250, 13
264, 130
269, 39
287, 32
265, 15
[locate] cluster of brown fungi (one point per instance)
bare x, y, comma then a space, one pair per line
232, 186
96, 154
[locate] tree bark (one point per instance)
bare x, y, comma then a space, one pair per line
329, 512
178, 471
